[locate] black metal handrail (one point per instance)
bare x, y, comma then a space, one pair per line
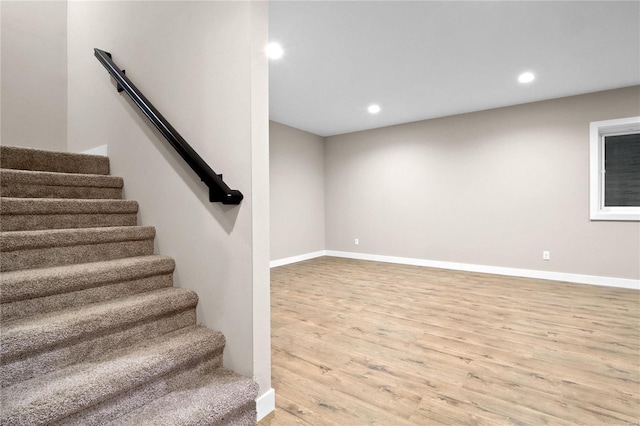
218, 190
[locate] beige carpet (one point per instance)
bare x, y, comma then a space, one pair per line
93, 331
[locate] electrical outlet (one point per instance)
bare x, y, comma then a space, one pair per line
546, 255
356, 242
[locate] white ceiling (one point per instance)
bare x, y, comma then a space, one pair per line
429, 59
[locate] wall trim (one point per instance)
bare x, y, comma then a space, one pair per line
266, 403
98, 150
295, 259
498, 270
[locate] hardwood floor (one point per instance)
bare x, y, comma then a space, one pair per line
358, 343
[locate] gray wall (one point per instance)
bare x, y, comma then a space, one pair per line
34, 74
202, 65
297, 191
492, 188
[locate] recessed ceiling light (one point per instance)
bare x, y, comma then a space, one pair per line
374, 109
526, 77
274, 51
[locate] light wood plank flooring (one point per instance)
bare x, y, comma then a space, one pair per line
359, 343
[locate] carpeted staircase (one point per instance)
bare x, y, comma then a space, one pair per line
93, 332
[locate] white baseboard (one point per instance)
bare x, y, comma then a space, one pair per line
295, 259
98, 150
498, 270
266, 403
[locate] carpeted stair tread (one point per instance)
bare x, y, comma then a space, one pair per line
109, 410
41, 332
12, 157
37, 184
216, 399
55, 213
64, 206
18, 240
52, 247
32, 365
31, 291
35, 283
63, 179
50, 398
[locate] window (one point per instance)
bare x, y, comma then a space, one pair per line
615, 169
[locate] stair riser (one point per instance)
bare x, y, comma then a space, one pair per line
65, 221
121, 404
18, 190
24, 308
54, 256
29, 159
62, 356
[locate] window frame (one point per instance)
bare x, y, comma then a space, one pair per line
597, 132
